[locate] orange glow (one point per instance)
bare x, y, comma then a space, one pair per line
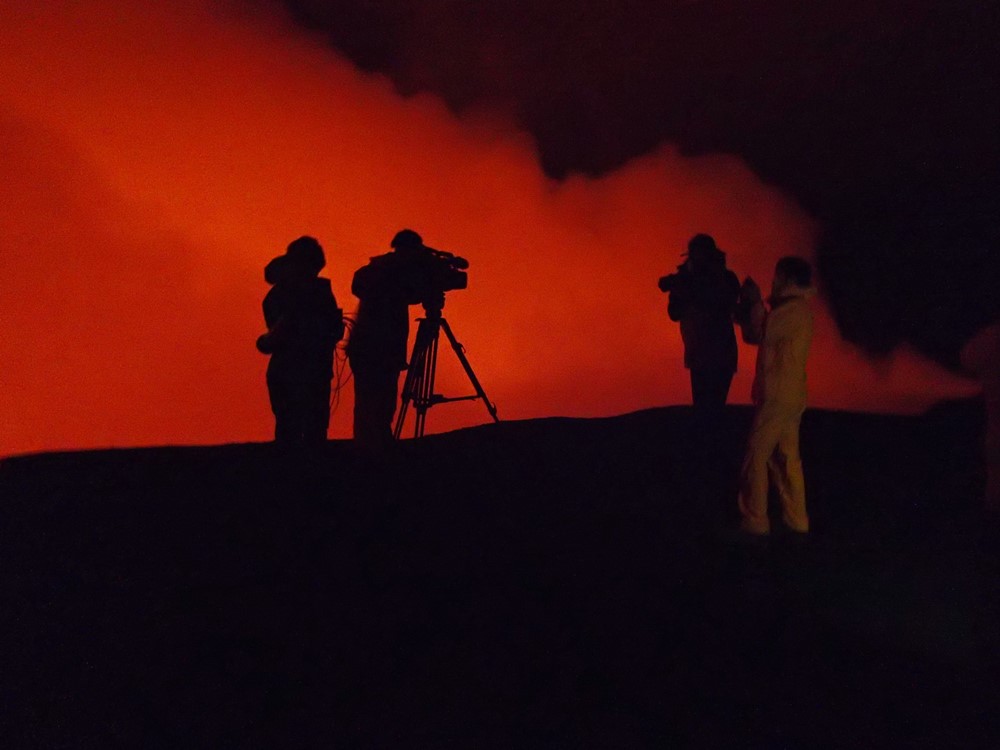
157, 158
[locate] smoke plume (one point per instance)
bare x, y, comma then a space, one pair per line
159, 156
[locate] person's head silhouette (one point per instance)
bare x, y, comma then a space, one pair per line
406, 240
702, 243
306, 254
703, 253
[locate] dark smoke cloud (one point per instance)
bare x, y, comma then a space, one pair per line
880, 118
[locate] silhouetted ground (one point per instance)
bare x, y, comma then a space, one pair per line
553, 583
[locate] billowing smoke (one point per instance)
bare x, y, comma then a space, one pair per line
873, 116
158, 157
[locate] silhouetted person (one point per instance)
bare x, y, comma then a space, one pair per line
304, 325
386, 287
783, 335
981, 356
703, 298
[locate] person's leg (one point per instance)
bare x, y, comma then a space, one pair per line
316, 411
721, 382
710, 388
363, 400
374, 404
704, 387
786, 473
300, 393
763, 440
699, 388
991, 454
388, 388
283, 410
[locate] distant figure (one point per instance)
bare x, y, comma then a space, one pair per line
783, 335
304, 325
981, 357
703, 298
386, 287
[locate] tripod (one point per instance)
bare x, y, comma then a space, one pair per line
419, 384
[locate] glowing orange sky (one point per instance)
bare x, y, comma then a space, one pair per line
158, 157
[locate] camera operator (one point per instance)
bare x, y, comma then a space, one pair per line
387, 286
703, 298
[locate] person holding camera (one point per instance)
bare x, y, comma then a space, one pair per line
304, 325
783, 334
386, 287
703, 299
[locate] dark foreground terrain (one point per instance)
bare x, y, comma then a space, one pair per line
554, 583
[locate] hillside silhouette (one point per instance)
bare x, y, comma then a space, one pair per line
554, 582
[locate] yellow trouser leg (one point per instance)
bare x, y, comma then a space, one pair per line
992, 454
772, 449
785, 468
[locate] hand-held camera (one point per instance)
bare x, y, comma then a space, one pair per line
669, 282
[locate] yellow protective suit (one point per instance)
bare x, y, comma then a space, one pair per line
981, 356
779, 393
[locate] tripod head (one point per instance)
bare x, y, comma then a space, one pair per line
434, 306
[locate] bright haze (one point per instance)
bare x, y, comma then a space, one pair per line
157, 155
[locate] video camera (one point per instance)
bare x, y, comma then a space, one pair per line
668, 282
441, 271
448, 270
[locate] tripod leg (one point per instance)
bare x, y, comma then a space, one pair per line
404, 405
427, 383
460, 352
419, 384
412, 385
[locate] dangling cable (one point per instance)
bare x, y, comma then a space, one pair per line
341, 365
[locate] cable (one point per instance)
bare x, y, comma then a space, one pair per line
341, 365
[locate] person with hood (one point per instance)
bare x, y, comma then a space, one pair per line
386, 287
703, 299
783, 334
304, 325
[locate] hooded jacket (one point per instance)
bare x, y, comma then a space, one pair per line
784, 335
704, 303
303, 320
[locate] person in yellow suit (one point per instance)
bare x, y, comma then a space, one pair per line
783, 333
981, 356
